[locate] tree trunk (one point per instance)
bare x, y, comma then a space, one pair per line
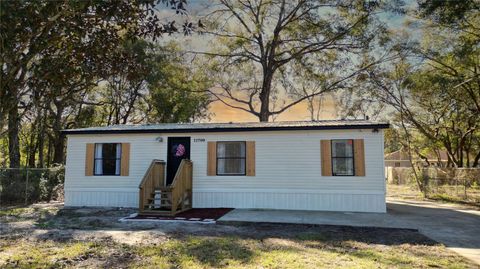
41, 146
467, 153
460, 153
13, 139
58, 140
49, 152
263, 117
476, 160
419, 179
41, 140
58, 149
264, 114
33, 143
32, 150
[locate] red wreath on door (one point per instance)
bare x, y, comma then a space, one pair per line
180, 150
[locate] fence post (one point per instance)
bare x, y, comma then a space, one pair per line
26, 188
457, 182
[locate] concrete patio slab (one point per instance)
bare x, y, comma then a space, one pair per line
457, 227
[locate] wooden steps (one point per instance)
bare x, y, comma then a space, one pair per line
161, 212
157, 199
164, 189
157, 212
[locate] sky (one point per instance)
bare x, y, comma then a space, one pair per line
222, 113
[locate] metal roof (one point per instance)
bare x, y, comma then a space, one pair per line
231, 127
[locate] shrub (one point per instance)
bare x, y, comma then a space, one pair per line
29, 185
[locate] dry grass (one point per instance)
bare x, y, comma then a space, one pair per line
59, 238
445, 193
404, 192
226, 251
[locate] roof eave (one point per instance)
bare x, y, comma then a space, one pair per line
233, 129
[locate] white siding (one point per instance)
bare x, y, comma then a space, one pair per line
288, 172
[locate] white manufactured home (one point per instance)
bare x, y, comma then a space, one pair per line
317, 165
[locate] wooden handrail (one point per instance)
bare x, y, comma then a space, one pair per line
145, 177
182, 184
154, 178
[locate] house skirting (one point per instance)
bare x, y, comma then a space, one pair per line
360, 201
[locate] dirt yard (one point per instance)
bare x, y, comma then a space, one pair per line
48, 236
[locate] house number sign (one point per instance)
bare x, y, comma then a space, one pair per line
199, 140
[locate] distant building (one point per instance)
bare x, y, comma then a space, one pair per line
400, 158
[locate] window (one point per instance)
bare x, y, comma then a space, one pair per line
107, 159
342, 158
231, 158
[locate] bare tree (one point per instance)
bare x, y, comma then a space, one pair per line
259, 47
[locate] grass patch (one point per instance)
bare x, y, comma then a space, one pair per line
237, 252
404, 192
248, 246
15, 212
227, 252
47, 254
444, 197
26, 213
196, 252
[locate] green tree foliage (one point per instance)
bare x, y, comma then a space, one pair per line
448, 12
155, 85
159, 87
122, 95
433, 86
178, 92
53, 56
392, 140
84, 33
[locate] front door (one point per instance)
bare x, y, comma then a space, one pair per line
178, 149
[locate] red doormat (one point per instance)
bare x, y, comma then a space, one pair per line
195, 214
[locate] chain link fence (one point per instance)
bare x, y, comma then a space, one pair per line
460, 184
30, 185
